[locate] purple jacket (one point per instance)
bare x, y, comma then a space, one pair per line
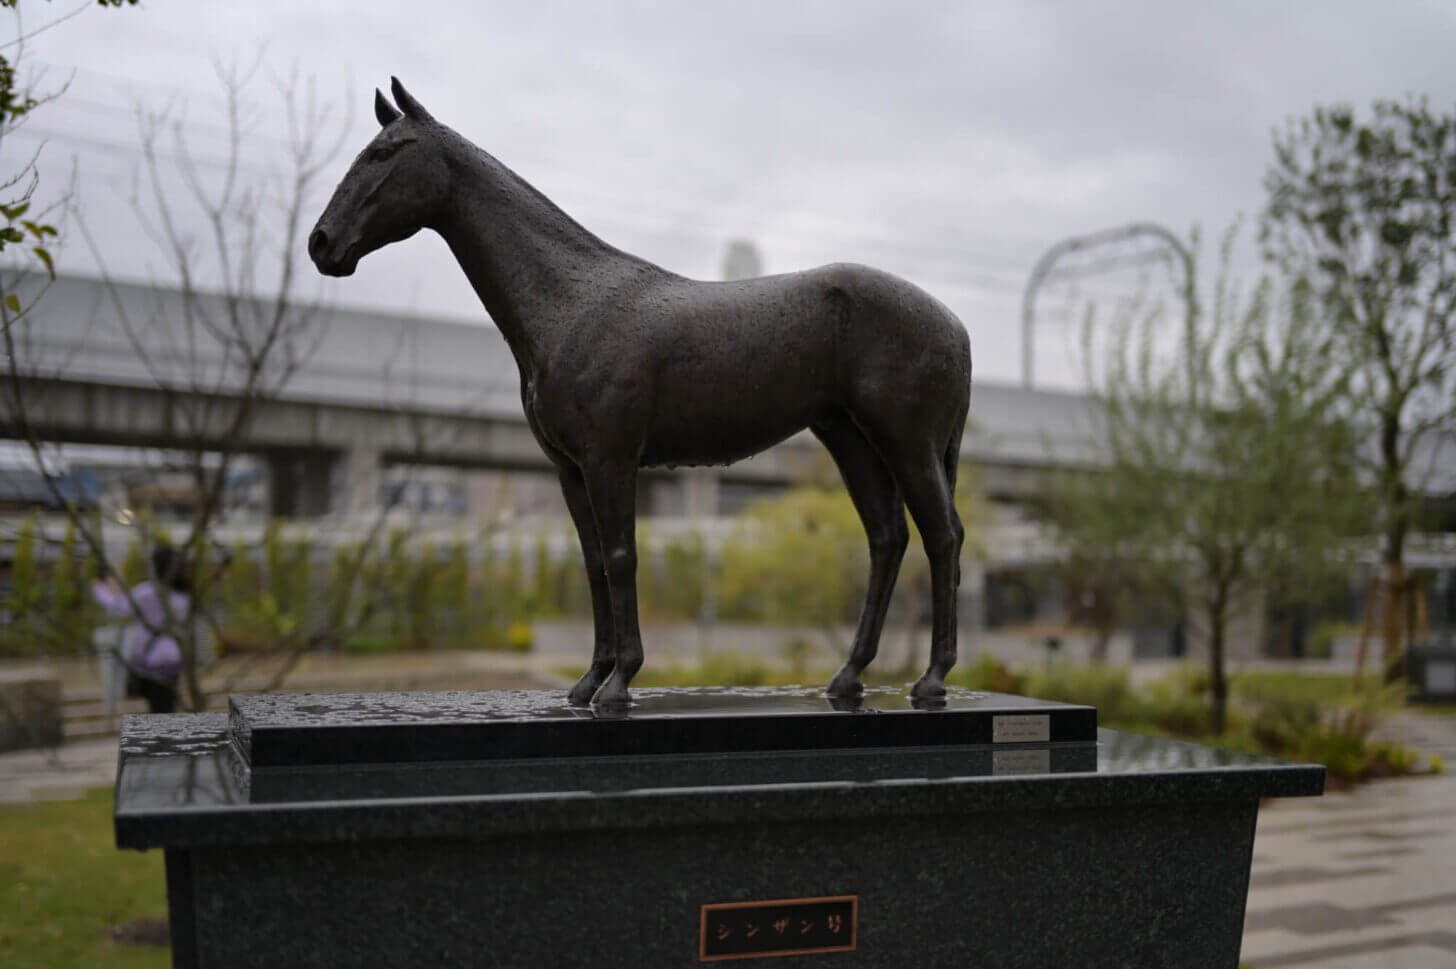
155, 654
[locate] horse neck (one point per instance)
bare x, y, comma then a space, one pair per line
527, 260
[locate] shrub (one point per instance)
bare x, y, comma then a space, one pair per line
1321, 642
1282, 724
990, 674
369, 641
796, 652
724, 667
519, 636
1104, 687
1341, 750
1177, 713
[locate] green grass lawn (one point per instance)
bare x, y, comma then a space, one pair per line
64, 884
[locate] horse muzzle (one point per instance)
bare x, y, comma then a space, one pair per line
328, 262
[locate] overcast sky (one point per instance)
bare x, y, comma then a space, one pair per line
949, 142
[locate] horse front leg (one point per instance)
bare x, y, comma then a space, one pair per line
612, 490
573, 489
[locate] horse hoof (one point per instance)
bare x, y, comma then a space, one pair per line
612, 696
927, 687
844, 683
581, 694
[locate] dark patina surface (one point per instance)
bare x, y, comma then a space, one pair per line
625, 365
1127, 851
308, 730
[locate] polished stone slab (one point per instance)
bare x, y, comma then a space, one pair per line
1129, 850
301, 730
182, 782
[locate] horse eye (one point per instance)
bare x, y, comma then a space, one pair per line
383, 152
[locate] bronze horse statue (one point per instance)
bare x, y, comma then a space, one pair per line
625, 365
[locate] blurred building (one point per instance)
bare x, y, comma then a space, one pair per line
425, 414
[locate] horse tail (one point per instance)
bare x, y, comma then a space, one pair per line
952, 457
953, 453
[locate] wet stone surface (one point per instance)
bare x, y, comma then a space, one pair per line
185, 781
303, 730
283, 865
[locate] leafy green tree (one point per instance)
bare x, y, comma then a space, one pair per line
649, 572
1364, 208
455, 594
513, 582
21, 224
27, 593
1223, 468
541, 592
134, 567
398, 576
275, 564
685, 576
570, 583
240, 585
799, 557
423, 604
71, 594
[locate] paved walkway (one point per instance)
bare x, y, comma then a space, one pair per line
1363, 879
60, 774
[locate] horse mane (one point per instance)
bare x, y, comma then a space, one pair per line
583, 238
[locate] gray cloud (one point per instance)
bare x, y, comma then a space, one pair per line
949, 142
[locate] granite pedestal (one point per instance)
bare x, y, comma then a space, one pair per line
502, 829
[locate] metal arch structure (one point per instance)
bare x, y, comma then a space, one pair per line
1046, 267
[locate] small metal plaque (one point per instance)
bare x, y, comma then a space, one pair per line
780, 927
1036, 761
1027, 728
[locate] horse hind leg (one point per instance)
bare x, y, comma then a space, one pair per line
877, 499
929, 494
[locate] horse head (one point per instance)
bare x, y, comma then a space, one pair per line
397, 185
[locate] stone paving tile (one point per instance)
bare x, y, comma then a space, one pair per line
1308, 874
60, 774
1361, 879
1392, 852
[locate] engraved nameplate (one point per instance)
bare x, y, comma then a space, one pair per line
1021, 762
1028, 728
781, 927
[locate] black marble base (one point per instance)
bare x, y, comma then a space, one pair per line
1127, 851
303, 730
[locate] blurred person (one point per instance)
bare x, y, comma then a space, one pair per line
150, 652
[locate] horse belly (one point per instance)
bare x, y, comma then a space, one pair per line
697, 436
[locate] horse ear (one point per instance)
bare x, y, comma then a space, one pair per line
412, 108
383, 110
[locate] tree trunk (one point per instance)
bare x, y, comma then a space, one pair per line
1393, 607
1392, 617
196, 697
1218, 685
